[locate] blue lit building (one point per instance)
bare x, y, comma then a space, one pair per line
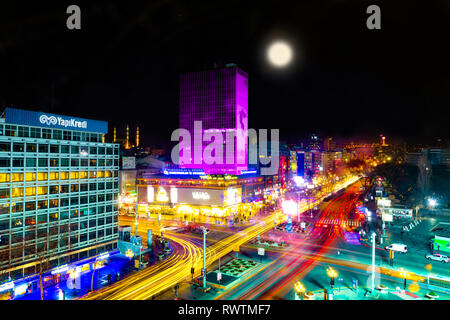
58, 191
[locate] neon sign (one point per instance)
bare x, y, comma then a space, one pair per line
200, 195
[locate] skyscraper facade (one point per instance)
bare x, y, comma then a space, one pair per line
219, 100
58, 191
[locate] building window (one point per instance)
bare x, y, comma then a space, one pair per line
42, 190
46, 133
30, 176
4, 177
42, 204
64, 175
54, 189
54, 148
16, 192
17, 177
10, 131
57, 134
18, 162
24, 131
30, 162
31, 147
43, 148
43, 162
35, 132
30, 191
4, 193
4, 162
18, 147
74, 162
31, 205
54, 162
5, 147
67, 135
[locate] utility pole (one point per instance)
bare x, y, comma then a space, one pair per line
135, 220
373, 261
204, 257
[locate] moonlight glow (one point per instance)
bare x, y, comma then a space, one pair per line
279, 54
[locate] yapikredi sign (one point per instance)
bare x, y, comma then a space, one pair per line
48, 120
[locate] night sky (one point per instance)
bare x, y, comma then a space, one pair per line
123, 66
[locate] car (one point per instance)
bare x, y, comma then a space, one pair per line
437, 257
400, 247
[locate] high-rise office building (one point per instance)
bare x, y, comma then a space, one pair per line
58, 191
219, 99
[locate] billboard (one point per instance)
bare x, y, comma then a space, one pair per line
128, 162
54, 121
194, 196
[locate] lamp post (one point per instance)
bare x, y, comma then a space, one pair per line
373, 261
332, 274
129, 254
204, 256
135, 219
94, 267
299, 289
404, 274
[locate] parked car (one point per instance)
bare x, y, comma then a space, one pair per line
400, 247
438, 257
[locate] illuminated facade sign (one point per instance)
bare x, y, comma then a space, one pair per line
49, 120
161, 195
197, 195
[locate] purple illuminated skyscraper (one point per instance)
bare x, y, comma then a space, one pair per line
219, 99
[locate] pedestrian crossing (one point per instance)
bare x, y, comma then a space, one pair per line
337, 222
284, 227
296, 228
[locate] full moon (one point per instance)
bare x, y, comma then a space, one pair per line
279, 54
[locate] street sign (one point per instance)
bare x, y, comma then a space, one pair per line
355, 284
261, 251
302, 225
192, 270
219, 276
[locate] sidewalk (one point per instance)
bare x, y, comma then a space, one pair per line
363, 293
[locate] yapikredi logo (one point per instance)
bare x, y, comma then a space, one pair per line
52, 120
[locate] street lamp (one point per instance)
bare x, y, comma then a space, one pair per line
332, 274
432, 202
204, 256
299, 289
404, 274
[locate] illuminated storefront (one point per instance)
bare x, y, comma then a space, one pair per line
202, 195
